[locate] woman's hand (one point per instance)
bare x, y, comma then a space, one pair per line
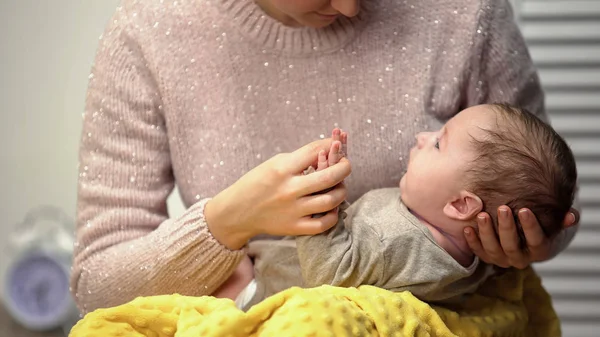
505, 252
276, 198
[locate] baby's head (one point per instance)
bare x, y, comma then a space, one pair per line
485, 157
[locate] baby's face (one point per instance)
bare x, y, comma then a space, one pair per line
439, 161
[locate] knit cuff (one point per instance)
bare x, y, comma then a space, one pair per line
192, 252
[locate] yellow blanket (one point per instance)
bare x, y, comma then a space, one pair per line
497, 309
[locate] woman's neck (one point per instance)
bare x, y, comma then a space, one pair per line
272, 31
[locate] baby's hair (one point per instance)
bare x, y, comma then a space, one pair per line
524, 163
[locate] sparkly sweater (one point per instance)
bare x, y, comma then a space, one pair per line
196, 93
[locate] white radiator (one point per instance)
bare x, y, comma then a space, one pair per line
564, 41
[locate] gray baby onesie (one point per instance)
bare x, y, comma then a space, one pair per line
378, 242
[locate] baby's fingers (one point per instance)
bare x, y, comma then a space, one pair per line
335, 134
344, 140
322, 161
335, 153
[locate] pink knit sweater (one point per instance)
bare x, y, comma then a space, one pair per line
198, 92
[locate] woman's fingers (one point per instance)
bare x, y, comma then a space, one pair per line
269, 198
493, 252
322, 161
509, 238
474, 243
323, 202
505, 251
490, 242
537, 243
311, 226
322, 180
306, 156
572, 218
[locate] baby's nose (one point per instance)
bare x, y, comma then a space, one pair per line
422, 138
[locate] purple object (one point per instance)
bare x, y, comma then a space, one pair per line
37, 291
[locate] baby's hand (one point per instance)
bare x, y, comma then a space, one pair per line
336, 152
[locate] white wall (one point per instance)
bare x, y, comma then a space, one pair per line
563, 40
46, 50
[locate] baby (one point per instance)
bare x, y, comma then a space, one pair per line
411, 238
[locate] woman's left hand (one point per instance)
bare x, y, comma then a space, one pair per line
503, 249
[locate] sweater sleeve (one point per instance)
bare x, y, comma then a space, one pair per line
126, 244
502, 72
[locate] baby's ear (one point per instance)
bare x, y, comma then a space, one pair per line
464, 207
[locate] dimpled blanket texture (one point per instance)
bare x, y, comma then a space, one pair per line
497, 309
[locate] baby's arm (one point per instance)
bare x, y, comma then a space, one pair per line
341, 257
241, 277
344, 255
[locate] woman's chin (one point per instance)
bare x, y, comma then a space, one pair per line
318, 22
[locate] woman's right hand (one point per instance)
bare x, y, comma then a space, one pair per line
276, 198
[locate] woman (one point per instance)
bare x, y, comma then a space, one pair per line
199, 93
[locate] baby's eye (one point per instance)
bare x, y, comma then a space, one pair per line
437, 144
